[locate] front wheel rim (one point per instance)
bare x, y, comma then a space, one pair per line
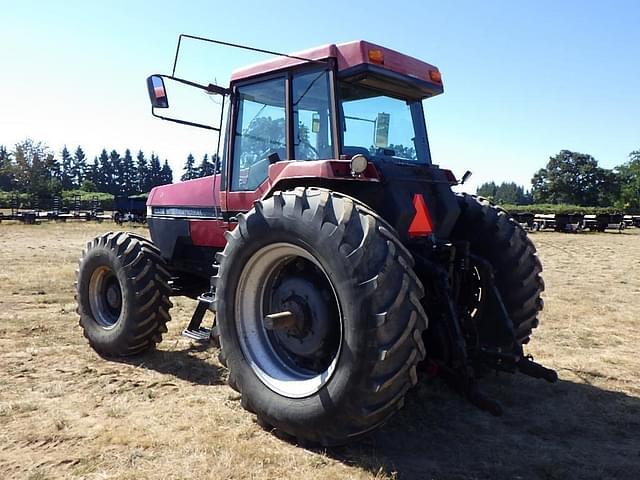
105, 297
299, 360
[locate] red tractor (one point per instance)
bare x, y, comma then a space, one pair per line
337, 259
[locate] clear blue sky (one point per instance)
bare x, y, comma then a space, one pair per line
523, 79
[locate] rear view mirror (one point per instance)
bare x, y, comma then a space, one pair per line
157, 92
186, 101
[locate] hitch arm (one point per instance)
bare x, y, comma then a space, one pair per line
527, 366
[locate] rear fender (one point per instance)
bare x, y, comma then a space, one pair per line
387, 188
390, 192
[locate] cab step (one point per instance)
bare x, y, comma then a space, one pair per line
195, 330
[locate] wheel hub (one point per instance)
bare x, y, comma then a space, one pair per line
302, 298
114, 298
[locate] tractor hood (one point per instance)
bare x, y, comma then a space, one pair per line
191, 193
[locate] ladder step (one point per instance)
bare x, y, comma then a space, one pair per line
208, 298
194, 330
202, 334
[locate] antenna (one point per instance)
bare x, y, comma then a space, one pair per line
235, 45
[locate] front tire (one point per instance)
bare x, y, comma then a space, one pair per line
122, 294
346, 364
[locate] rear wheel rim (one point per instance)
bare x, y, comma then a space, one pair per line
105, 297
299, 360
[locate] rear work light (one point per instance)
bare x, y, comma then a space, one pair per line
359, 164
421, 225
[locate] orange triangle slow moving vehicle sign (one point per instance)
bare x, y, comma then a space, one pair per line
421, 225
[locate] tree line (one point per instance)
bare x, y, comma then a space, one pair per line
577, 179
505, 193
31, 167
568, 178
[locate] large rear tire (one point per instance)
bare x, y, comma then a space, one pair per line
122, 294
496, 237
346, 364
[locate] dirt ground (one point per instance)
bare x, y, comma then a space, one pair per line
67, 413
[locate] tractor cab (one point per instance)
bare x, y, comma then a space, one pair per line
347, 117
349, 99
329, 102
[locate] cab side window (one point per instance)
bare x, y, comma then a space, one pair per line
312, 132
260, 131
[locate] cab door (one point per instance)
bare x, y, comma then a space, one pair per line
287, 117
259, 133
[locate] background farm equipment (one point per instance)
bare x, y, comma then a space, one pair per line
604, 221
130, 209
18, 212
577, 222
37, 209
560, 222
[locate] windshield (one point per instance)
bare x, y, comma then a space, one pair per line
381, 126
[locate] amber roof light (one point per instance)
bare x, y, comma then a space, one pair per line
376, 56
435, 76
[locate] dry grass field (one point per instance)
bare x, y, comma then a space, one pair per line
67, 413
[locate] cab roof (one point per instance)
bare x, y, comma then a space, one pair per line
348, 55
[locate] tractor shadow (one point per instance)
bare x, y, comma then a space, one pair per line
192, 364
565, 430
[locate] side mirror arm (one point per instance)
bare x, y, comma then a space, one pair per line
211, 88
184, 122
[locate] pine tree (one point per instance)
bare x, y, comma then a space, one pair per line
128, 180
215, 159
155, 172
166, 173
104, 172
92, 177
52, 175
66, 169
117, 173
92, 172
206, 168
487, 190
142, 176
79, 168
189, 169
